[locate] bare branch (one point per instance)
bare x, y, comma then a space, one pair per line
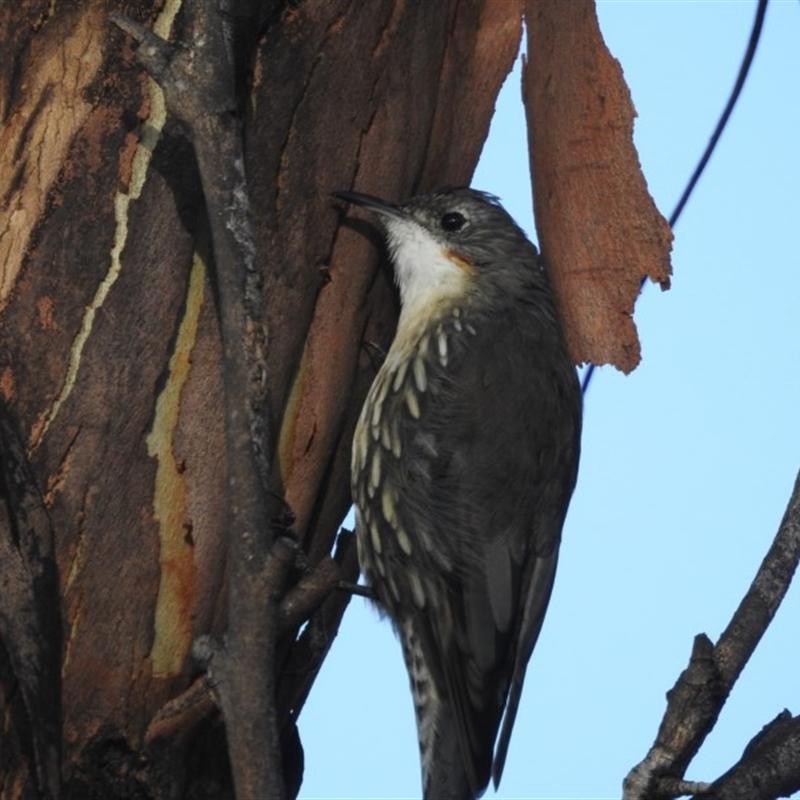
755, 612
357, 589
309, 594
176, 719
198, 84
245, 682
702, 689
768, 768
307, 654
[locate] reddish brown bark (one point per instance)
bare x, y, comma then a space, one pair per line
110, 356
599, 230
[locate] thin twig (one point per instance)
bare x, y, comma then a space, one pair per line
356, 589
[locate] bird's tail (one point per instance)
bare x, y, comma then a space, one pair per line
444, 776
443, 773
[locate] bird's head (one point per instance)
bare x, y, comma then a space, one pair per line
451, 244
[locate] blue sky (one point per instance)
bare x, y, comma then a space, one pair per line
687, 463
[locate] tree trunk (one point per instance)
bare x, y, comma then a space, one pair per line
115, 501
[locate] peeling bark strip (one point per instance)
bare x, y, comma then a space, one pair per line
599, 230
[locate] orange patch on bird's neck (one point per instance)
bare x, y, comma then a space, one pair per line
462, 263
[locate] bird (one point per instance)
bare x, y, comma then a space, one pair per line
464, 460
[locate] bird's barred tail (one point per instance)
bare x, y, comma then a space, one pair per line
443, 774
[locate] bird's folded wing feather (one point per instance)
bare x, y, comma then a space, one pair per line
494, 484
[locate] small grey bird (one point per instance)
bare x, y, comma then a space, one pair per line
464, 460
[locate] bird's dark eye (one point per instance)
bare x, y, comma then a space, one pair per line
453, 221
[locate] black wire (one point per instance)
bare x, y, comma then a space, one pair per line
744, 69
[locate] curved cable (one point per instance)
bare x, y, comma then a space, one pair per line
744, 69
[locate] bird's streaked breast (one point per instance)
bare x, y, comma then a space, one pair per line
382, 465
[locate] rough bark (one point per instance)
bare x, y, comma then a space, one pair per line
600, 232
111, 355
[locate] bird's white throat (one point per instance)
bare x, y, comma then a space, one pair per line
425, 272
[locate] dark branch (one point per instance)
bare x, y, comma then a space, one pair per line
356, 589
177, 719
245, 684
198, 81
30, 625
307, 654
308, 595
702, 689
768, 768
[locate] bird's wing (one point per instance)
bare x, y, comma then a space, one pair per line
494, 485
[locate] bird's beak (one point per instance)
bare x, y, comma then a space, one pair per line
372, 203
